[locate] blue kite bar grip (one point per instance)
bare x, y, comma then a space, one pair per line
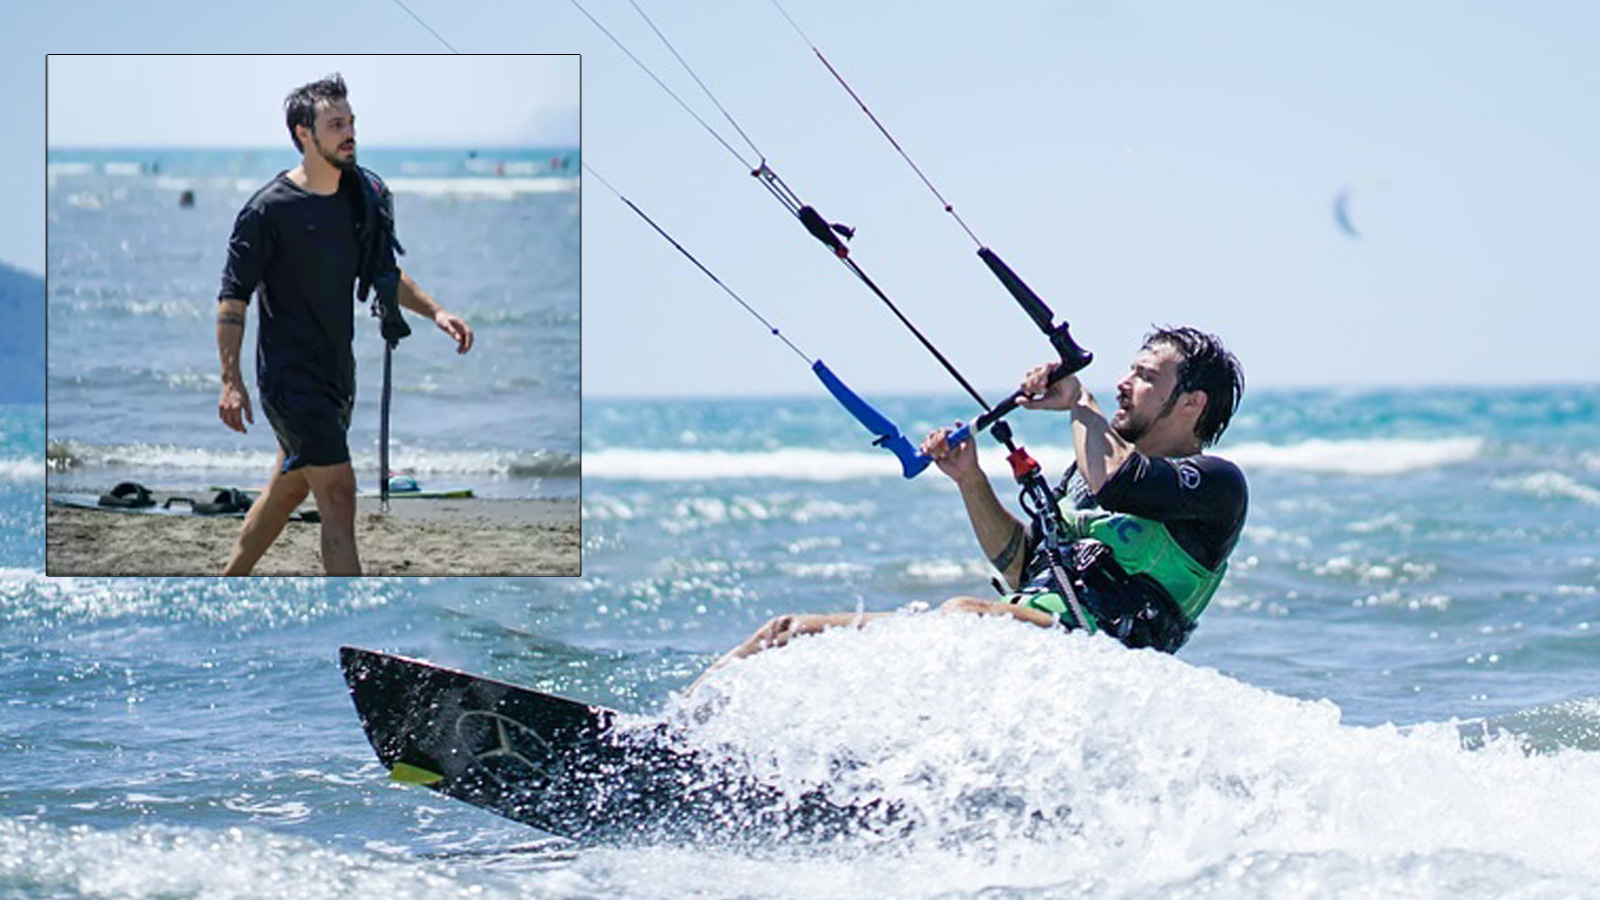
954, 438
889, 437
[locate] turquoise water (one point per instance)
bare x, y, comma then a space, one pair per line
1415, 562
132, 365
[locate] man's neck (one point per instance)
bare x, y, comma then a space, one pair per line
315, 175
1167, 446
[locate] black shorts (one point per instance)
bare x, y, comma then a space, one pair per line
311, 428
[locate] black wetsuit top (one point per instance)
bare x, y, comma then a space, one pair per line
300, 248
1200, 499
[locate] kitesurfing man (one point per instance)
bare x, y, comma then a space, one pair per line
1149, 519
303, 243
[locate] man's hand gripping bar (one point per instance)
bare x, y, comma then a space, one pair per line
1073, 357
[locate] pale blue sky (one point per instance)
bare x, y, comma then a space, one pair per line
1136, 162
237, 101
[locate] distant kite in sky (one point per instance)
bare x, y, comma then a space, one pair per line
1341, 213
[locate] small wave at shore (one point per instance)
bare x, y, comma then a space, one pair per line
1349, 457
62, 456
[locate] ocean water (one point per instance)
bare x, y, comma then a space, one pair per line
133, 279
1393, 695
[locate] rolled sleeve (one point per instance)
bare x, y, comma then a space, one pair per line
249, 248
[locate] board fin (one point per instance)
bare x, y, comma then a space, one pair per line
406, 773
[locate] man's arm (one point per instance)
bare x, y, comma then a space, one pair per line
1100, 451
233, 407
415, 299
249, 249
1001, 535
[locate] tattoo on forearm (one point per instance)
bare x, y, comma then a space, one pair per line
225, 317
1003, 560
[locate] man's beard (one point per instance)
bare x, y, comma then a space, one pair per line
334, 160
1131, 429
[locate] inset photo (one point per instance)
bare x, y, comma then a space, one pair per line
313, 315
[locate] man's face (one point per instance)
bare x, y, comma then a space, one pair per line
334, 134
1146, 394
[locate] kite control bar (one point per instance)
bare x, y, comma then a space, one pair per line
1073, 357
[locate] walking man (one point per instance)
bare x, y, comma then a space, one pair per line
301, 245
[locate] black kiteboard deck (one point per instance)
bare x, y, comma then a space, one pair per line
561, 766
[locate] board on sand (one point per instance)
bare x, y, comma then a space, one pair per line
561, 766
183, 510
450, 493
407, 486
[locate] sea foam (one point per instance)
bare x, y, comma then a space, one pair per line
1547, 485
1050, 758
147, 861
22, 470
71, 455
1357, 457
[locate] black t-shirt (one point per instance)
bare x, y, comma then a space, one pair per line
1200, 499
300, 249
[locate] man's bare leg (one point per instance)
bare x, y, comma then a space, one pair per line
266, 518
335, 490
999, 608
779, 631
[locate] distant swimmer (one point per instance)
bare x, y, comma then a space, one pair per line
1150, 519
303, 244
186, 199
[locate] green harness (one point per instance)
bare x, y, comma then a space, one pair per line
1140, 546
1145, 547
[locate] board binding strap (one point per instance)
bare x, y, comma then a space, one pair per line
566, 768
132, 497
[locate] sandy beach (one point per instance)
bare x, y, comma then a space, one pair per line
416, 537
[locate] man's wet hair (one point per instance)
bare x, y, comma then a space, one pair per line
300, 107
1209, 368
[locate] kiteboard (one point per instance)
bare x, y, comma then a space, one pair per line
407, 486
450, 493
566, 767
177, 507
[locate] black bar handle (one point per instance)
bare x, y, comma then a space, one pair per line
1031, 304
1072, 356
821, 230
